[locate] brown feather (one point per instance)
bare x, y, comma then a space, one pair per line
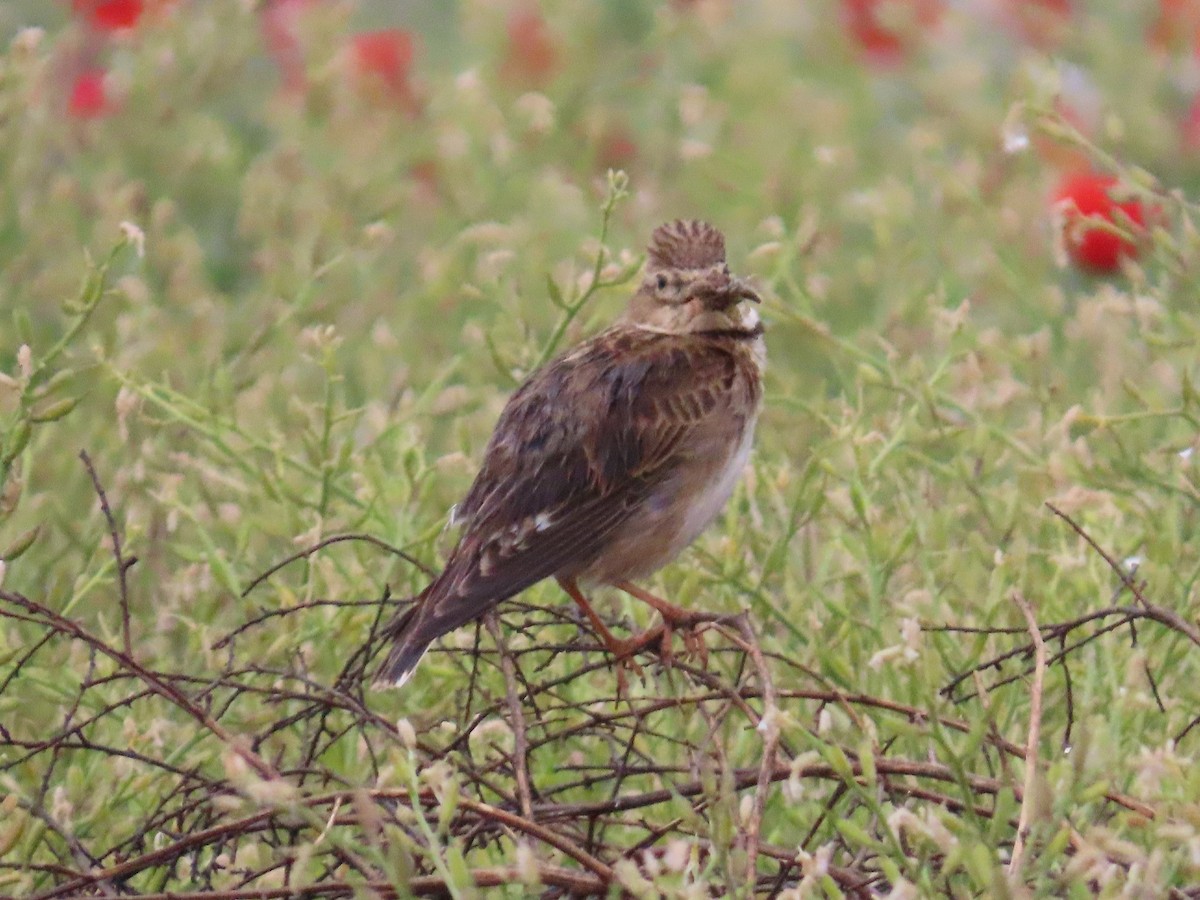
577, 449
609, 460
686, 244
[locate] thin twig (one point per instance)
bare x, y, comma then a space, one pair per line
546, 835
123, 564
1160, 614
741, 779
268, 614
520, 757
1069, 692
83, 858
768, 724
337, 539
153, 680
1033, 736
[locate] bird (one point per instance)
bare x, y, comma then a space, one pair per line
611, 458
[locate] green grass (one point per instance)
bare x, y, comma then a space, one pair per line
317, 341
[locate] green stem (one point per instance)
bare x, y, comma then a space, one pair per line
617, 190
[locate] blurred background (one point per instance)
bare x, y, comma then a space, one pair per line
364, 201
350, 212
345, 231
256, 141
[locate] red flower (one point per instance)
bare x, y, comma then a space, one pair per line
1177, 27
382, 60
88, 98
1085, 196
882, 44
110, 15
616, 148
532, 56
279, 21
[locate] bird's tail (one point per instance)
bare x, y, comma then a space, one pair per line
429, 616
409, 644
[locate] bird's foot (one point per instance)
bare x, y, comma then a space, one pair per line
677, 616
691, 627
624, 651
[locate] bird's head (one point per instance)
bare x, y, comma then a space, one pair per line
687, 287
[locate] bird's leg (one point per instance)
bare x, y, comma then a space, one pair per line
623, 650
674, 617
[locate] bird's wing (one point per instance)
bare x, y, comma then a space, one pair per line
577, 449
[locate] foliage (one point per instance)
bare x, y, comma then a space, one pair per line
330, 275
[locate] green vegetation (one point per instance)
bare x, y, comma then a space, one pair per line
311, 317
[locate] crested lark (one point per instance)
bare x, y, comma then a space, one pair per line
612, 458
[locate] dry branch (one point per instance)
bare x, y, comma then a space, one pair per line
1033, 734
591, 785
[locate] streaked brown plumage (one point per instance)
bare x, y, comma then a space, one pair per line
612, 458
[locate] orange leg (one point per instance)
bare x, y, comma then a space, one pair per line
674, 617
623, 650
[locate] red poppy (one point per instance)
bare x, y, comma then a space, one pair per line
382, 61
532, 56
1177, 27
884, 45
89, 99
110, 15
280, 30
1086, 196
616, 148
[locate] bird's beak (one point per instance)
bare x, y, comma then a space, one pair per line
743, 290
722, 291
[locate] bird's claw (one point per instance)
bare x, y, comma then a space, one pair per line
660, 639
624, 651
694, 645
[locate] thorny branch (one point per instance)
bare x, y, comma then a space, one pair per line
123, 564
326, 797
1160, 614
1101, 621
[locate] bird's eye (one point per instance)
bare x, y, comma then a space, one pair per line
662, 282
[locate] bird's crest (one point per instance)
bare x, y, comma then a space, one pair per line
686, 244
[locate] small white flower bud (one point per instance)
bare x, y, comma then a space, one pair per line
136, 237
408, 734
25, 360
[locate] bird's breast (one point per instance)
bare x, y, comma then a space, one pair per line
713, 488
679, 509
